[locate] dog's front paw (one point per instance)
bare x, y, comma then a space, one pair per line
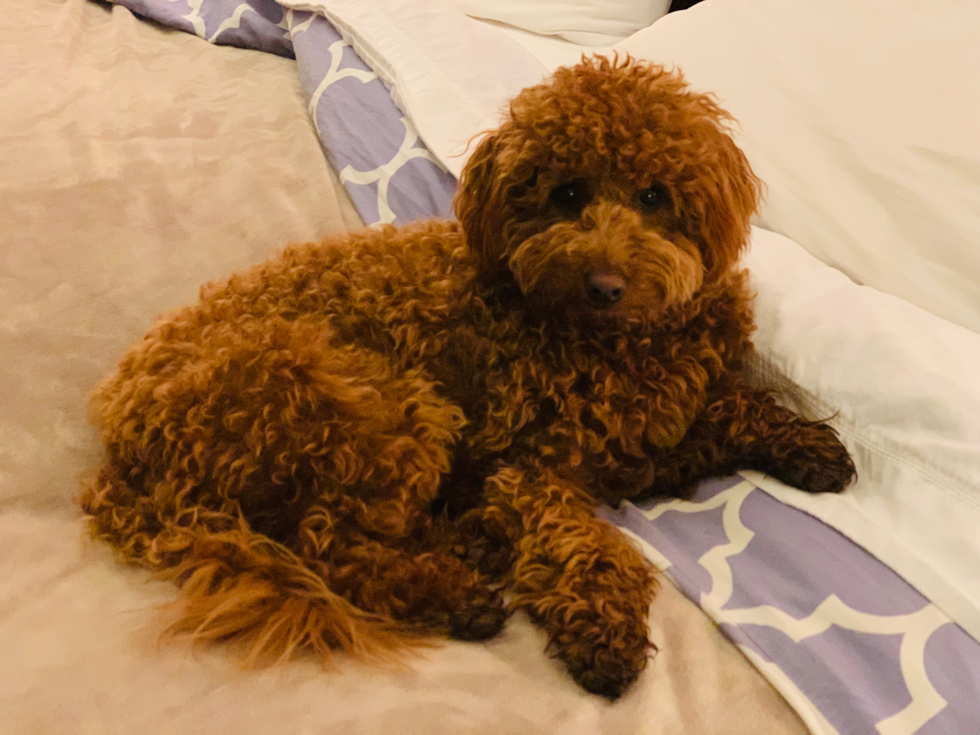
816, 462
606, 660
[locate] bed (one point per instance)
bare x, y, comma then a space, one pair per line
139, 161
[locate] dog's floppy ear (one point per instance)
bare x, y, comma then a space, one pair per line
727, 198
479, 187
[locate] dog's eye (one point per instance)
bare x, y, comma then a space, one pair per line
652, 198
571, 197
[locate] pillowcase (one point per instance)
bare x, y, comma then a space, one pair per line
585, 22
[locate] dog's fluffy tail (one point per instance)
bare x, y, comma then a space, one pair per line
240, 585
237, 585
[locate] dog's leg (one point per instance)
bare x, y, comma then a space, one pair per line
578, 577
744, 428
406, 579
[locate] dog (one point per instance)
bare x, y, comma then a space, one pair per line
404, 432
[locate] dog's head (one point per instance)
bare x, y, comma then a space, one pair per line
610, 190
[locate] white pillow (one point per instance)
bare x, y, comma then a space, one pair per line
862, 120
585, 22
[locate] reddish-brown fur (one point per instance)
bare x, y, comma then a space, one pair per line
364, 440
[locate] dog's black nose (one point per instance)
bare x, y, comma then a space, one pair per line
604, 289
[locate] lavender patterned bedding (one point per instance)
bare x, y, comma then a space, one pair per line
851, 645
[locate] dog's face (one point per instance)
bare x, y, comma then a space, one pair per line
610, 191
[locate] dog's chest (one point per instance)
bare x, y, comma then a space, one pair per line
566, 400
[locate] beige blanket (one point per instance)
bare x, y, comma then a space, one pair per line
135, 164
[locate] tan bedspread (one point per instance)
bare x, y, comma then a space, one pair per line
135, 164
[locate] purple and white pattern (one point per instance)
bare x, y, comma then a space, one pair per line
851, 645
803, 602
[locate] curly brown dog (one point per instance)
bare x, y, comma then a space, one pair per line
363, 441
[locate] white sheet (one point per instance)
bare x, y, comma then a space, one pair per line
872, 162
550, 51
449, 73
591, 22
905, 385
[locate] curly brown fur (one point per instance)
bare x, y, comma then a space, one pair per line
362, 440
